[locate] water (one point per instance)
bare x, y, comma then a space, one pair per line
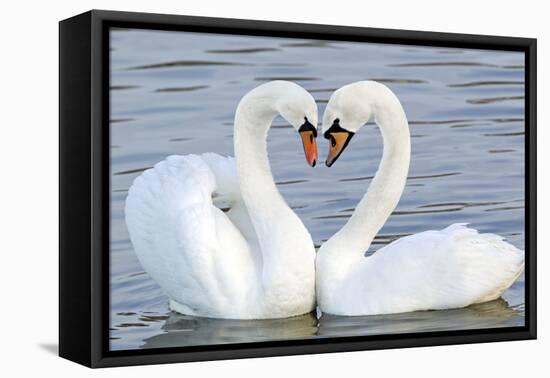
175, 93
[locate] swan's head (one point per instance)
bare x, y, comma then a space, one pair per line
298, 107
345, 114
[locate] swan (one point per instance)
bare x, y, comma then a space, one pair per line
255, 261
432, 270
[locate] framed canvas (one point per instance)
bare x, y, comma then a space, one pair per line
391, 204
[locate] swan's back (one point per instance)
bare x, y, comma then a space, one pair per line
186, 244
431, 270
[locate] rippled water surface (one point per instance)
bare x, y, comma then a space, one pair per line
175, 93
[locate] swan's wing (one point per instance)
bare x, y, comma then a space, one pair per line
225, 174
228, 194
451, 268
489, 263
188, 246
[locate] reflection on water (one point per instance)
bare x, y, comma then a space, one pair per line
182, 330
176, 93
497, 313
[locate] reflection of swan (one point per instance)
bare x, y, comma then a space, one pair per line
183, 330
256, 260
451, 268
491, 314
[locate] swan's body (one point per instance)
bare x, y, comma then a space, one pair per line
451, 268
254, 261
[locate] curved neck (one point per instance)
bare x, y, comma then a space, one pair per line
253, 119
388, 184
282, 237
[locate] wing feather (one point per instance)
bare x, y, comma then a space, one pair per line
432, 270
187, 245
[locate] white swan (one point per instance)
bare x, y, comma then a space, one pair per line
431, 270
255, 261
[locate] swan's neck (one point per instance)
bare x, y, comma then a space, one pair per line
260, 195
257, 185
284, 241
389, 182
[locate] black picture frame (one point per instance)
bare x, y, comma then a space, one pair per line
84, 188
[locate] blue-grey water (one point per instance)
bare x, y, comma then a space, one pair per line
175, 93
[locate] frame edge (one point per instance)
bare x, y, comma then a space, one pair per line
75, 336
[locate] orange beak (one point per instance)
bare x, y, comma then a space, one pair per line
338, 142
310, 147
